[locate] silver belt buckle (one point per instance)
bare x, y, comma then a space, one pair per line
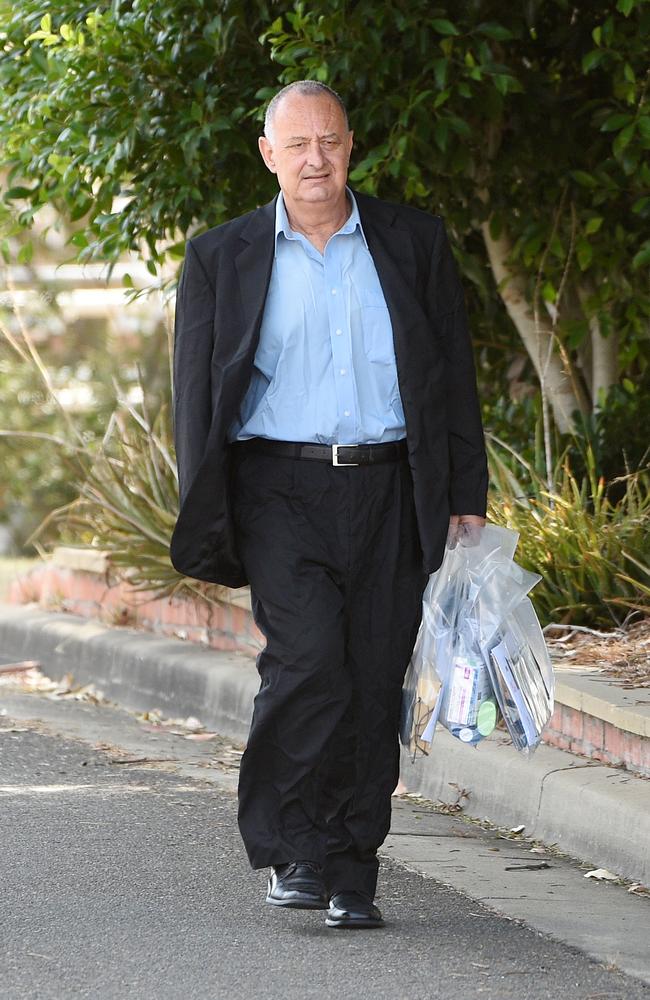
335, 454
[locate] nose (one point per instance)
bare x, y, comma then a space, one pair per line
316, 158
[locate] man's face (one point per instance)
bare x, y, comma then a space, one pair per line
309, 149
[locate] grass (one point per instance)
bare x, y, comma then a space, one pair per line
589, 539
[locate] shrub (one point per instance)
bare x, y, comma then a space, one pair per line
592, 550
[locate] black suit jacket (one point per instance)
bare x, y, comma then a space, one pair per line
219, 309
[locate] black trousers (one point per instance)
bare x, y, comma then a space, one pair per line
336, 574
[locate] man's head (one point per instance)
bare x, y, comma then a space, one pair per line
307, 143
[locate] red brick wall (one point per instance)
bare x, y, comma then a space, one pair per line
218, 625
584, 734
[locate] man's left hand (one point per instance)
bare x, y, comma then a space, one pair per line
464, 528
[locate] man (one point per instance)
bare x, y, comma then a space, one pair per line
327, 432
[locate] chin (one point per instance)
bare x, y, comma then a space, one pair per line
319, 192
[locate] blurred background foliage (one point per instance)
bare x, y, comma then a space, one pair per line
133, 123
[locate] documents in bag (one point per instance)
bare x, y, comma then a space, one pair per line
480, 653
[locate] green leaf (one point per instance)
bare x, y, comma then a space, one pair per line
623, 139
549, 293
17, 192
496, 225
440, 134
594, 224
441, 98
625, 6
504, 82
597, 34
444, 27
46, 23
60, 163
494, 30
615, 121
584, 179
25, 253
592, 59
585, 254
642, 257
440, 72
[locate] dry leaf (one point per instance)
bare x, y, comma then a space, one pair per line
518, 829
202, 736
19, 666
601, 873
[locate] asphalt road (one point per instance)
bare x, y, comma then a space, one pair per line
129, 881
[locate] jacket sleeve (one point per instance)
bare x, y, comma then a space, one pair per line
467, 456
191, 395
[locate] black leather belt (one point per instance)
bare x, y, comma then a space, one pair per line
335, 454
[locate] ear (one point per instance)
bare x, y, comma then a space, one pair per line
266, 151
350, 143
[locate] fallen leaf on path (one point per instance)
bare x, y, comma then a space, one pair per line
145, 760
19, 667
201, 736
601, 874
518, 829
528, 868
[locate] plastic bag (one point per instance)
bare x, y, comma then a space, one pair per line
480, 652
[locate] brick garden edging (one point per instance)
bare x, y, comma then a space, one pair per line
601, 721
80, 581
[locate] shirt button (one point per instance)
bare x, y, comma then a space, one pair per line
346, 413
343, 371
339, 332
333, 291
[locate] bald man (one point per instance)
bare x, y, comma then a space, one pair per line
328, 434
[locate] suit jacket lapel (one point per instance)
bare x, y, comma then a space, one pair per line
253, 264
393, 254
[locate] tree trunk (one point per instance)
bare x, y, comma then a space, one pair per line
555, 381
603, 352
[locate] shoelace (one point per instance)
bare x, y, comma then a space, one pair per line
292, 866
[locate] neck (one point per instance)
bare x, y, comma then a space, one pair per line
318, 221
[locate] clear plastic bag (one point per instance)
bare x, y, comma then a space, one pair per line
480, 652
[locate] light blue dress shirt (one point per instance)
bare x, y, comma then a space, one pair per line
325, 366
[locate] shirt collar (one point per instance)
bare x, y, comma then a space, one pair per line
350, 226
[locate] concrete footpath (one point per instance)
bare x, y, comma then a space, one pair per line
124, 878
595, 812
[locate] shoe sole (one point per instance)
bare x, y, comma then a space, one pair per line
297, 904
354, 924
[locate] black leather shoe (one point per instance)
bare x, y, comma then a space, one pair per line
298, 884
353, 909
